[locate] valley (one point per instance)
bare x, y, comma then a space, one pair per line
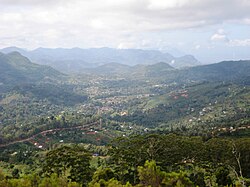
122, 118
124, 93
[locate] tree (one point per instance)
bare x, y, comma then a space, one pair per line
126, 155
151, 175
3, 182
72, 162
102, 174
53, 181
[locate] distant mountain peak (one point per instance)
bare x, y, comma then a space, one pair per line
12, 49
15, 53
161, 65
77, 59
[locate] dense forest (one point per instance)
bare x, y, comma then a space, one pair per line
139, 160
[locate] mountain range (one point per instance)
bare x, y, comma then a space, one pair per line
18, 69
76, 59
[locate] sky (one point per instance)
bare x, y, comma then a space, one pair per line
211, 30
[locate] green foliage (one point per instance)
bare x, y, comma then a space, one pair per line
43, 107
150, 174
3, 182
109, 183
56, 94
72, 162
16, 69
180, 161
177, 179
222, 176
173, 152
196, 107
166, 150
15, 173
102, 174
53, 181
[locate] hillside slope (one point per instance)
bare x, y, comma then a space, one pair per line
17, 69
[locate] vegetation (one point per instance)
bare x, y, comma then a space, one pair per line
144, 160
144, 126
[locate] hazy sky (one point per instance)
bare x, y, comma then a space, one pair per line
212, 30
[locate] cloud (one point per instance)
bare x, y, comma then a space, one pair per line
245, 42
19, 3
221, 32
219, 36
197, 46
84, 23
163, 4
169, 14
246, 21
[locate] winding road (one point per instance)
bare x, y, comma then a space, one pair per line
49, 131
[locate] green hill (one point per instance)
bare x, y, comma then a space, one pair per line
233, 71
223, 71
203, 105
17, 69
20, 75
137, 71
